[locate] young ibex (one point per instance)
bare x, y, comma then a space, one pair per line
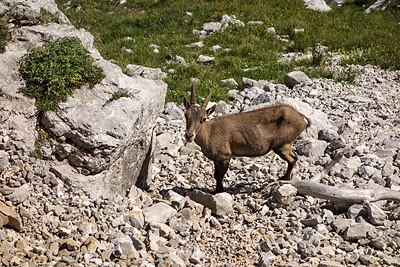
250, 134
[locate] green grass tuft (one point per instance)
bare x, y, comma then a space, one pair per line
4, 36
54, 71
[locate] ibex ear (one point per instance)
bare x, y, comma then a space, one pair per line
185, 103
211, 110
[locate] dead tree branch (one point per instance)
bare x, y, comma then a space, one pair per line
343, 194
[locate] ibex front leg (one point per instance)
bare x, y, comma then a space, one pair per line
220, 169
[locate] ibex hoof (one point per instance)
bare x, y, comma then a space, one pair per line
285, 178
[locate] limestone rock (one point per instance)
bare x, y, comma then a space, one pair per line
205, 59
212, 26
295, 77
285, 194
145, 72
357, 231
219, 204
375, 214
311, 147
20, 194
317, 5
158, 213
9, 217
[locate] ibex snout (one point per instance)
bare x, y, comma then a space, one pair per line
189, 137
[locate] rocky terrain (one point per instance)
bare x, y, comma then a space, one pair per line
354, 140
256, 222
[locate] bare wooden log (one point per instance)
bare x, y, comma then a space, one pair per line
343, 194
327, 168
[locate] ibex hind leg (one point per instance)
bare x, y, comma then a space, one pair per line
221, 168
290, 157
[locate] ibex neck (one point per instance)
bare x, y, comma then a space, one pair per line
202, 136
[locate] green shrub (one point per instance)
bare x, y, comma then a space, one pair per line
4, 36
53, 71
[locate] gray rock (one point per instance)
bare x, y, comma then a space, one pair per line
179, 59
20, 194
252, 93
285, 194
230, 82
194, 255
341, 225
145, 72
158, 213
248, 83
201, 33
379, 5
271, 30
350, 166
4, 163
356, 210
376, 215
358, 231
222, 108
311, 147
196, 44
135, 218
205, 59
266, 259
20, 12
253, 22
215, 48
172, 112
295, 77
329, 264
64, 150
230, 21
391, 261
311, 221
327, 135
234, 96
51, 6
336, 143
366, 171
177, 200
219, 204
163, 140
317, 5
335, 2
211, 27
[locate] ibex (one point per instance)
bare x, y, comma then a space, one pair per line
249, 134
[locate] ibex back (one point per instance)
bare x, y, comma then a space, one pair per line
251, 134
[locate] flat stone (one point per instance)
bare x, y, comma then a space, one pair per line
329, 264
219, 204
266, 259
376, 215
20, 194
211, 27
357, 231
205, 59
295, 77
158, 213
5, 190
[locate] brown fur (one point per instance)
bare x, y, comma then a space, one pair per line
251, 134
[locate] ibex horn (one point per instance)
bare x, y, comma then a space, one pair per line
208, 98
193, 97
